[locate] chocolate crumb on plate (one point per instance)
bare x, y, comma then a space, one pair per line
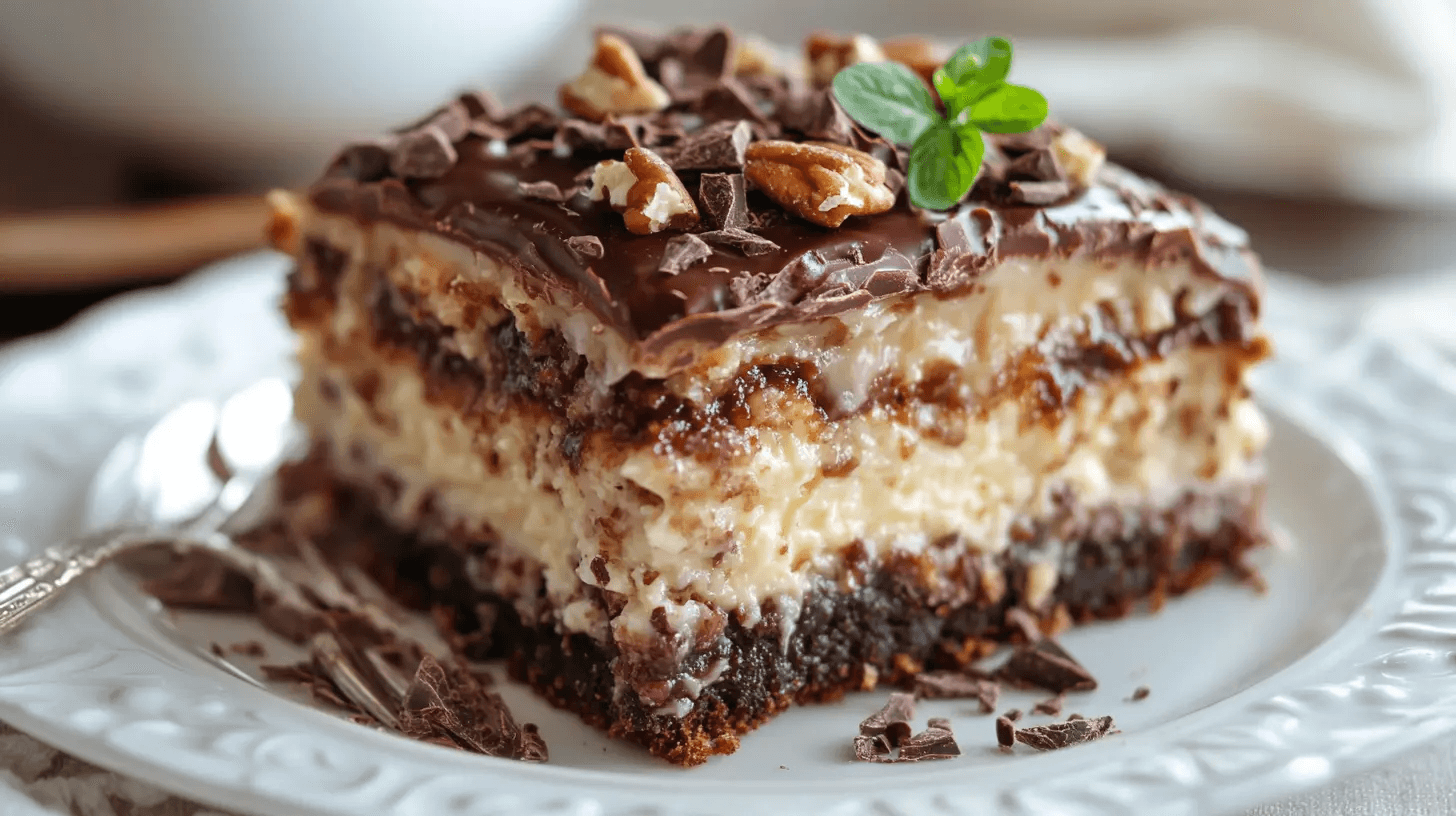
1140, 693
216, 649
249, 648
1050, 707
935, 742
1046, 665
1005, 733
900, 708
449, 706
1065, 734
958, 685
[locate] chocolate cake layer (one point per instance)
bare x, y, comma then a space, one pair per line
873, 624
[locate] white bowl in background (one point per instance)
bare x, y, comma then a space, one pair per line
264, 90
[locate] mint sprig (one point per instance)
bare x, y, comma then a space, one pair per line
945, 148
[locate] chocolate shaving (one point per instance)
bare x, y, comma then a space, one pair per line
900, 708
871, 749
1005, 733
742, 240
725, 202
452, 707
1065, 734
320, 687
481, 105
935, 742
681, 252
1013, 715
248, 648
585, 247
1037, 193
1051, 706
958, 685
719, 146
544, 190
1046, 665
423, 153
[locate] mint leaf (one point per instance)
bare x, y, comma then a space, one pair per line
986, 61
888, 98
943, 164
1009, 109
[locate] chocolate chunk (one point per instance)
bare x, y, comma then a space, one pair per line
453, 120
1038, 193
424, 153
609, 136
585, 247
1047, 666
363, 162
900, 708
544, 190
730, 100
1013, 715
719, 146
1051, 706
818, 116
1065, 734
452, 707
1141, 693
957, 685
681, 252
724, 200
1005, 733
1034, 165
935, 742
481, 105
871, 749
742, 240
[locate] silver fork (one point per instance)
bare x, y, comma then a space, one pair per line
180, 484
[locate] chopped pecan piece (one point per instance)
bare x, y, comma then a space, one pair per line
645, 191
828, 54
1079, 156
820, 182
614, 83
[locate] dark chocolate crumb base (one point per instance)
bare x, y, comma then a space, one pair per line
884, 631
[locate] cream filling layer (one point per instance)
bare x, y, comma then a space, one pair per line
673, 531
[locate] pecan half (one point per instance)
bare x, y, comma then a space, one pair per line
1079, 156
645, 191
820, 182
614, 83
828, 53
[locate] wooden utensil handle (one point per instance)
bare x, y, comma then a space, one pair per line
75, 250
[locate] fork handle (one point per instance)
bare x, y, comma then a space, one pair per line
28, 586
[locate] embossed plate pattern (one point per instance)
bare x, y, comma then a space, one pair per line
1346, 660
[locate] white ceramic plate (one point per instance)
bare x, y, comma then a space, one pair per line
1344, 662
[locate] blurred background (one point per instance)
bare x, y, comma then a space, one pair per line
135, 137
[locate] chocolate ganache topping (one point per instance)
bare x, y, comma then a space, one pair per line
514, 184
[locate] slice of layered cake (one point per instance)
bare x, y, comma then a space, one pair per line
675, 399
